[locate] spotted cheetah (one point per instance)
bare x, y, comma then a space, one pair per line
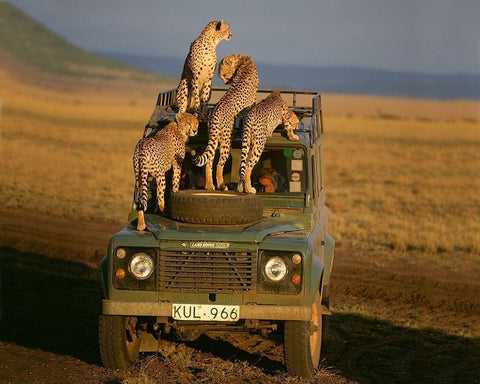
260, 123
241, 72
194, 89
156, 155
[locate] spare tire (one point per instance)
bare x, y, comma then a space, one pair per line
215, 207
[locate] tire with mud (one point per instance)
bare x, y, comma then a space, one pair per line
303, 342
119, 341
188, 335
215, 207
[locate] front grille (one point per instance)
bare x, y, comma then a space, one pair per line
207, 271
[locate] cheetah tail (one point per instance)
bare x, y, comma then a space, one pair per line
208, 154
142, 193
182, 95
245, 147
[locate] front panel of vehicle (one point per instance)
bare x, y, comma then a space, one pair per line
274, 272
257, 265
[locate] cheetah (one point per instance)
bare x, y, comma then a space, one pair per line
156, 155
260, 123
241, 72
194, 89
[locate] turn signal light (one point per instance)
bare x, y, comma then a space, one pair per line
120, 274
296, 278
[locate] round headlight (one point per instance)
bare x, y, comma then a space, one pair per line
141, 266
121, 253
276, 269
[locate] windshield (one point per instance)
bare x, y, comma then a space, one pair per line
279, 170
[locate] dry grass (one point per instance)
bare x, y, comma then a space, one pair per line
66, 148
402, 108
397, 184
404, 188
180, 363
404, 185
75, 171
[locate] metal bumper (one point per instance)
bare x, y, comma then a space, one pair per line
251, 312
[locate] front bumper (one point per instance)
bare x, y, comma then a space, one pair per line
247, 311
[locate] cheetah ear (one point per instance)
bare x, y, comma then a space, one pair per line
179, 116
219, 25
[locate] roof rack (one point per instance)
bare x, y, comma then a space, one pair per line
303, 103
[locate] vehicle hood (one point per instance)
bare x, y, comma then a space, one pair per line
167, 229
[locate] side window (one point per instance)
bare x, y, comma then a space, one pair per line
285, 167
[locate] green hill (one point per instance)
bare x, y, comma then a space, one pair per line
33, 44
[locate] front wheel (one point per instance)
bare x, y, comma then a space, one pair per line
119, 341
302, 343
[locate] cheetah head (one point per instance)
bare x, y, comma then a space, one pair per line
293, 119
227, 68
222, 30
187, 123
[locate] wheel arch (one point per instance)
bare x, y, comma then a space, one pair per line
329, 248
316, 279
104, 271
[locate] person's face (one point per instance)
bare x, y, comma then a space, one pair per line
267, 184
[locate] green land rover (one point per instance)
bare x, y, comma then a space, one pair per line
224, 261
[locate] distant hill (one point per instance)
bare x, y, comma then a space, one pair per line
34, 45
335, 79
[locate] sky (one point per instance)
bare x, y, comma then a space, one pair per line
428, 36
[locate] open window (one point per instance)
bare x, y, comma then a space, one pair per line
281, 168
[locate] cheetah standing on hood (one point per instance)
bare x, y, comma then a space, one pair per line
194, 89
156, 155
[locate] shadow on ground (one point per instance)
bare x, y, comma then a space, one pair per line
50, 304
373, 351
53, 305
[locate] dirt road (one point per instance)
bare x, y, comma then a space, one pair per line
396, 319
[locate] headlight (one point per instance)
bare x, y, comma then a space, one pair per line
276, 269
121, 253
141, 266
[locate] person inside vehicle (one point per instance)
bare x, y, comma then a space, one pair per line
271, 181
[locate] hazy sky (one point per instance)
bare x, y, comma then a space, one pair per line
439, 36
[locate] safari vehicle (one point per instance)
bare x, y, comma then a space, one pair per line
227, 262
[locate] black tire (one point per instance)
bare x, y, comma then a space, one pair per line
302, 343
119, 341
190, 335
215, 207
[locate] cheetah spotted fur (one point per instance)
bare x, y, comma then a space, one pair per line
241, 72
156, 155
259, 125
194, 89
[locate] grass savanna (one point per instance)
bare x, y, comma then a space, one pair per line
401, 177
401, 194
68, 150
403, 185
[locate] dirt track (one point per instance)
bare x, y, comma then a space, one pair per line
395, 320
